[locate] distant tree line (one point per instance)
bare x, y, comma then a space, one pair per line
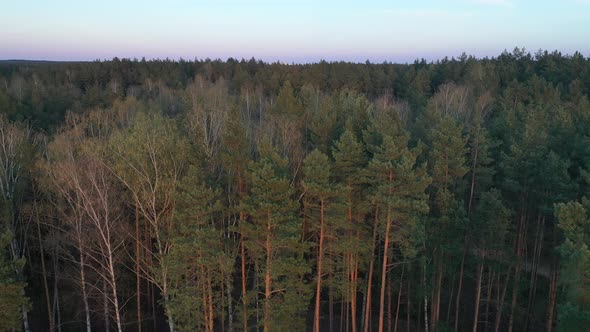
232, 195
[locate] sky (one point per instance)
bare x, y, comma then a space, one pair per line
289, 31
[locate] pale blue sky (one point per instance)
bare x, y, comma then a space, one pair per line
289, 31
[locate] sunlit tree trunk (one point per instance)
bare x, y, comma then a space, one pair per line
460, 287
50, 313
399, 298
244, 290
489, 295
383, 276
519, 250
425, 298
267, 275
477, 296
385, 256
501, 302
552, 298
319, 270
370, 275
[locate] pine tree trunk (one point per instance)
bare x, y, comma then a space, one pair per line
451, 293
514, 299
367, 313
347, 313
331, 304
363, 311
354, 281
533, 277
399, 298
331, 296
230, 307
204, 298
477, 296
243, 251
341, 325
389, 304
210, 300
534, 273
433, 302
552, 297
469, 206
319, 271
353, 295
257, 288
222, 307
420, 308
436, 302
244, 280
370, 276
383, 275
519, 250
473, 169
552, 286
489, 295
267, 276
460, 286
501, 302
409, 309
44, 275
385, 257
425, 299
553, 283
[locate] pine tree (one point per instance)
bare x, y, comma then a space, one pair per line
235, 158
447, 163
197, 259
574, 313
286, 126
273, 242
319, 196
287, 104
349, 162
399, 190
488, 232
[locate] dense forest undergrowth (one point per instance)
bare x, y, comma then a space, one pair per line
240, 195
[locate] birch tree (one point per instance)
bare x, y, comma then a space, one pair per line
149, 159
16, 154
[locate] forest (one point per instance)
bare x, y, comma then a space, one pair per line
239, 195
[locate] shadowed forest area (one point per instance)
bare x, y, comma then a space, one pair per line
213, 195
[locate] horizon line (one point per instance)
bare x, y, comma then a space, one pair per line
524, 51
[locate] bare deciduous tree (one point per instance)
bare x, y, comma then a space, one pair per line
16, 153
